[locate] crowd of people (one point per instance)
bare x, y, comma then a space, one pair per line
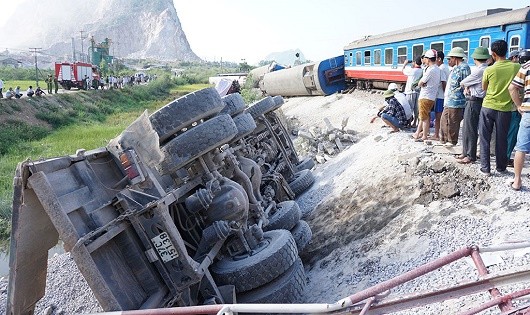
489, 100
52, 85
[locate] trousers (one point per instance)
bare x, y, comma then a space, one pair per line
450, 124
489, 119
470, 127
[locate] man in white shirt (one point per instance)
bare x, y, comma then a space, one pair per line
1, 88
413, 74
439, 103
429, 85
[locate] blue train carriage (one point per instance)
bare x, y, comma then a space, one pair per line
320, 78
375, 61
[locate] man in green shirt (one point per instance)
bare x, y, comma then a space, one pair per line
496, 108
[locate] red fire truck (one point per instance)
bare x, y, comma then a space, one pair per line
72, 74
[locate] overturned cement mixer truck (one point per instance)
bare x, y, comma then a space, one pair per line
191, 205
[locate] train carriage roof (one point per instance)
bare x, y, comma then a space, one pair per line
486, 18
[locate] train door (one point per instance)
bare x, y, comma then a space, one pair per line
513, 37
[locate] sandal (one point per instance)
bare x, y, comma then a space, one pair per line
465, 160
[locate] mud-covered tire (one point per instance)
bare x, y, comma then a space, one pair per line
306, 164
245, 125
233, 104
197, 141
286, 289
287, 215
301, 181
253, 271
261, 107
302, 235
185, 110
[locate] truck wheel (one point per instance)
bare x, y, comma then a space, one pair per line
184, 111
302, 235
197, 141
287, 215
278, 253
306, 164
278, 102
286, 289
301, 181
261, 107
233, 104
245, 125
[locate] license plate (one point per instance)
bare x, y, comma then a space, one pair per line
164, 247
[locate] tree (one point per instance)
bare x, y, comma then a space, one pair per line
104, 67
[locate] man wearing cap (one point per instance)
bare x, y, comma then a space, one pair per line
472, 85
454, 99
429, 84
393, 113
413, 74
496, 108
521, 82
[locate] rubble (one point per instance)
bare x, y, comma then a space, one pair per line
323, 143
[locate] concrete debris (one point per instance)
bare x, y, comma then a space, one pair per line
323, 143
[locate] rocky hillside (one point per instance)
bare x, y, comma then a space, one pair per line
137, 28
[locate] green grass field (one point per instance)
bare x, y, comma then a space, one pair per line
23, 85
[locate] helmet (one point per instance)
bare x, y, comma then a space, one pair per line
524, 56
393, 87
513, 54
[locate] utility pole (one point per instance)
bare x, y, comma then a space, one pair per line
36, 68
82, 50
73, 49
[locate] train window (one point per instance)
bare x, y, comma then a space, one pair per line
350, 61
402, 55
485, 42
438, 46
514, 43
358, 58
417, 51
462, 43
367, 58
389, 54
377, 57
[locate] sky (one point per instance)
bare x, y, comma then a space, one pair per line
237, 30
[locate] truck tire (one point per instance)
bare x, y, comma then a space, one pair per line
261, 107
306, 164
233, 104
245, 125
287, 215
286, 289
278, 102
301, 181
197, 141
184, 111
302, 235
260, 268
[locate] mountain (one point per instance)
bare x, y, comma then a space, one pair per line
287, 57
136, 28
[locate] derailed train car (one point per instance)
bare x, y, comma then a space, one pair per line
321, 78
375, 61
